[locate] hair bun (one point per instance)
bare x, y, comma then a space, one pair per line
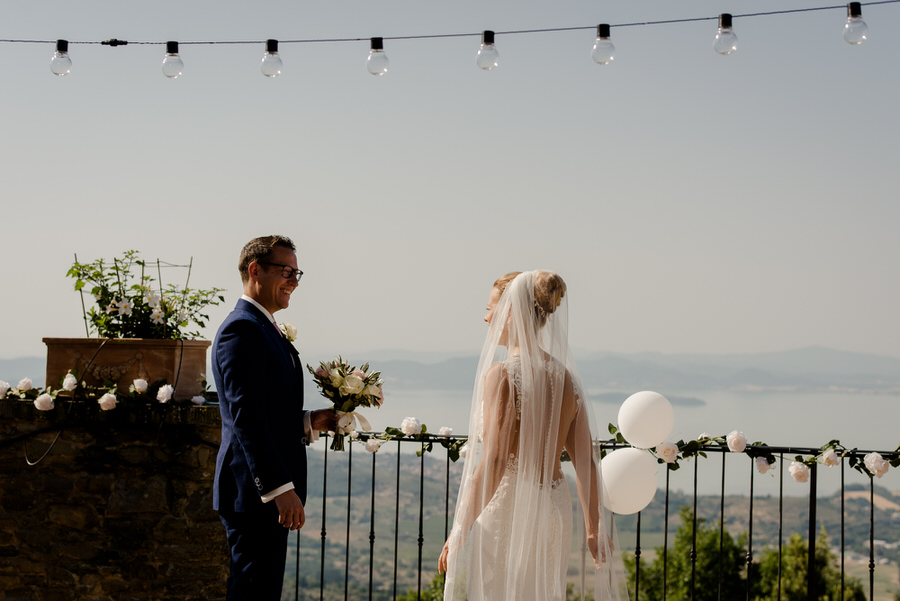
549, 290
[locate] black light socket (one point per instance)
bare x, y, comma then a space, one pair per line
62, 45
487, 37
272, 46
603, 30
725, 21
377, 43
171, 47
854, 9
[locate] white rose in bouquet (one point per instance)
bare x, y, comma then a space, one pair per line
107, 401
44, 402
70, 382
410, 426
667, 451
140, 385
830, 458
762, 465
352, 384
336, 379
799, 471
165, 393
736, 441
372, 445
877, 465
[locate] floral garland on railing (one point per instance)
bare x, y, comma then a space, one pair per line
106, 396
872, 464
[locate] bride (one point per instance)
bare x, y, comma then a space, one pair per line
512, 531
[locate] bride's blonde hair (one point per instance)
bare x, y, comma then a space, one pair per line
549, 290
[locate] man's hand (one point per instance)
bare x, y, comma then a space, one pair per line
323, 420
290, 510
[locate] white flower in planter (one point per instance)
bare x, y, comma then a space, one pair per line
44, 402
165, 393
107, 401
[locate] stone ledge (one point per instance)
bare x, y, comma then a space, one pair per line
128, 411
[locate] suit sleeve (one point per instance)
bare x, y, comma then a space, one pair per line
241, 358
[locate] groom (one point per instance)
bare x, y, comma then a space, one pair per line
260, 484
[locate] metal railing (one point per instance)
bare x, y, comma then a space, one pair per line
398, 524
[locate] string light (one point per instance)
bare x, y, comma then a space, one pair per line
488, 56
726, 41
172, 65
377, 63
855, 29
855, 32
603, 52
271, 62
60, 63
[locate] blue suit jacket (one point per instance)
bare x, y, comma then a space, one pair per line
261, 403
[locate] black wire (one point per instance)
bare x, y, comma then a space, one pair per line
478, 33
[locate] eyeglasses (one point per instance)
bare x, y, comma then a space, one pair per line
287, 272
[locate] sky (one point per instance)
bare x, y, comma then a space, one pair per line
692, 202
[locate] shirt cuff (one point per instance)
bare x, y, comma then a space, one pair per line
281, 489
311, 434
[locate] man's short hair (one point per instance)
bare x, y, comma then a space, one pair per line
258, 250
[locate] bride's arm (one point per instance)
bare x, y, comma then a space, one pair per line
580, 448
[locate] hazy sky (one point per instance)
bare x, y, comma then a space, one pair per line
693, 202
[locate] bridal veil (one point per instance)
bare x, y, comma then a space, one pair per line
513, 535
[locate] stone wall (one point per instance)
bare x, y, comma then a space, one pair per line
119, 509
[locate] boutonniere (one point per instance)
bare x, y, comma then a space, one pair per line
289, 330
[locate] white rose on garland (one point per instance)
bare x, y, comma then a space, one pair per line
736, 441
445, 431
372, 445
24, 384
762, 465
667, 451
4, 388
876, 464
198, 399
140, 385
410, 426
70, 382
165, 393
107, 401
44, 402
829, 458
799, 471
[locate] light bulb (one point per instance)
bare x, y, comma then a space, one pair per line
855, 29
377, 63
726, 41
271, 62
172, 65
60, 63
487, 55
604, 52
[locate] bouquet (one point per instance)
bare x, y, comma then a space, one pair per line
348, 388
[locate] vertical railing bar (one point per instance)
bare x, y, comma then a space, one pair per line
842, 528
421, 516
446, 510
811, 557
750, 534
297, 571
721, 527
666, 538
637, 560
780, 517
347, 537
871, 538
372, 530
694, 533
397, 520
324, 498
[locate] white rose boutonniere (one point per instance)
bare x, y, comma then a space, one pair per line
140, 386
289, 330
667, 451
411, 426
877, 465
799, 471
107, 401
829, 458
70, 382
165, 393
736, 441
44, 402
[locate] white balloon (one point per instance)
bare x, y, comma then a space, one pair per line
646, 419
629, 480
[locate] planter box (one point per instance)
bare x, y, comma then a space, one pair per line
181, 363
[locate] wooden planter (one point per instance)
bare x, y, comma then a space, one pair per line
122, 360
